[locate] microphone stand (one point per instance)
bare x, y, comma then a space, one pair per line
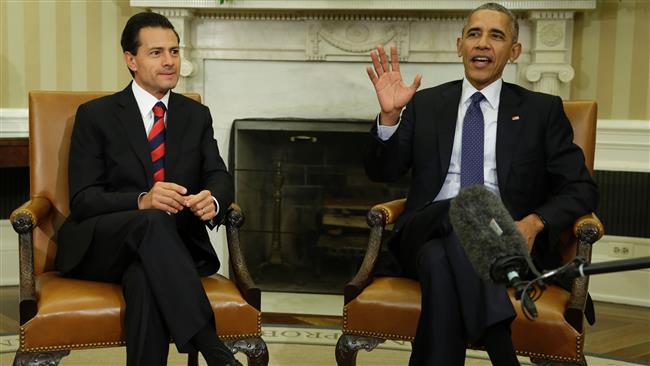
578, 267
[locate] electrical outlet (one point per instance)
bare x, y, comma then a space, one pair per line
620, 250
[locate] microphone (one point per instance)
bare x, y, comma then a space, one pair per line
493, 244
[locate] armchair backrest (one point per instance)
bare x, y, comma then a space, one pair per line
51, 117
582, 115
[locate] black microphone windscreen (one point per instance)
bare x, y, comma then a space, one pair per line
485, 229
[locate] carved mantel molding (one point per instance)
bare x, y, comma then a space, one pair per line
424, 31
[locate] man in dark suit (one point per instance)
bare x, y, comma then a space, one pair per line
480, 130
145, 179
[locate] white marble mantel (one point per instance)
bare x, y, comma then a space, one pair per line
345, 30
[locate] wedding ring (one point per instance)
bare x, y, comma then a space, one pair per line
201, 212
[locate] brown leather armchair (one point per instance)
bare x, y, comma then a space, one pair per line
383, 308
58, 314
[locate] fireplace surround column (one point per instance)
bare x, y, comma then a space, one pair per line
550, 70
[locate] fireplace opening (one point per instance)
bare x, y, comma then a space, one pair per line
305, 196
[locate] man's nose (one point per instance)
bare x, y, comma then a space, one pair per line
167, 58
483, 42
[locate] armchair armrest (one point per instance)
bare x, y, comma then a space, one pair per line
391, 210
378, 217
24, 219
587, 230
243, 279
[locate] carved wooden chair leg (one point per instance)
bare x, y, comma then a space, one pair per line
254, 348
348, 345
39, 358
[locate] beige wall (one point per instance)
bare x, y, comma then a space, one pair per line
60, 45
74, 45
611, 57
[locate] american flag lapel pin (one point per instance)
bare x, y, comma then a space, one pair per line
515, 118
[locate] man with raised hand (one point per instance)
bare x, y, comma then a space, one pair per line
476, 131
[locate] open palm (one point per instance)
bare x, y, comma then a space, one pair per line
391, 91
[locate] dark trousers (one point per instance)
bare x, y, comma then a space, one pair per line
141, 249
457, 306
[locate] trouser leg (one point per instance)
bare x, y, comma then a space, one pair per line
439, 339
147, 337
498, 343
457, 306
173, 277
151, 238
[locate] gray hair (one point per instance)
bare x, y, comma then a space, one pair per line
514, 24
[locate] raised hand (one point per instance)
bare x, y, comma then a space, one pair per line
391, 91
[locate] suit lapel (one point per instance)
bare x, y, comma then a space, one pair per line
509, 124
447, 125
177, 115
129, 116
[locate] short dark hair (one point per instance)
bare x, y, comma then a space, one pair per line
131, 34
514, 24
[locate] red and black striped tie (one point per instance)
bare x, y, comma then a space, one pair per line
157, 142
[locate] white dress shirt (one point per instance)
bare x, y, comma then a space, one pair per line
490, 109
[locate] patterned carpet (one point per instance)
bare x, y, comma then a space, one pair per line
288, 346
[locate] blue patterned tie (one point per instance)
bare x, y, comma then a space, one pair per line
471, 158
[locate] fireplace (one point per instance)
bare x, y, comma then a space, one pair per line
305, 194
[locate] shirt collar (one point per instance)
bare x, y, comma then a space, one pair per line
490, 92
146, 101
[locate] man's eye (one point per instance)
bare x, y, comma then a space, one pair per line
155, 53
175, 52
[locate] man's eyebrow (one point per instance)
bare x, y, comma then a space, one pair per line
492, 30
160, 48
498, 31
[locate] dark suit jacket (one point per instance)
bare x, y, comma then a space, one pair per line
110, 165
539, 168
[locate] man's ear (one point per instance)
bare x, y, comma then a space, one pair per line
515, 51
459, 44
130, 61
